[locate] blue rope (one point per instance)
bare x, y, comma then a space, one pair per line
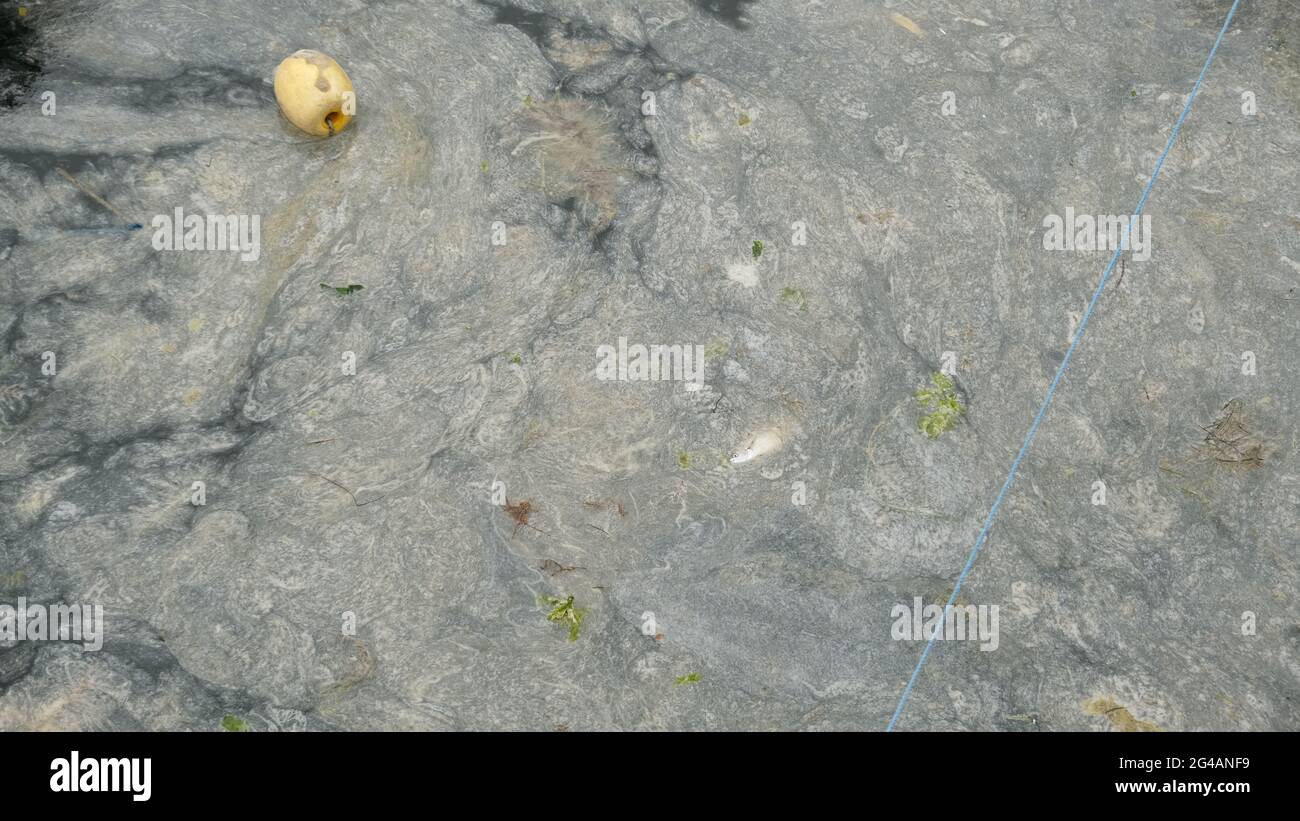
1060, 371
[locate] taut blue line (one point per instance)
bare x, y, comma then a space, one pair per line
1060, 371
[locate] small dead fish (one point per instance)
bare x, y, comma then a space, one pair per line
762, 443
907, 23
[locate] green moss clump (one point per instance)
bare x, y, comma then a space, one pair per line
757, 250
940, 406
716, 349
562, 610
683, 460
343, 290
234, 724
689, 678
795, 296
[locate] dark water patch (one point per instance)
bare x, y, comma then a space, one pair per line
20, 62
731, 12
537, 25
46, 163
207, 85
16, 662
532, 23
546, 30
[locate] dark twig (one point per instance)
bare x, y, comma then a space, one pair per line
348, 492
98, 199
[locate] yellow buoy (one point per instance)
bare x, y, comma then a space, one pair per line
314, 93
